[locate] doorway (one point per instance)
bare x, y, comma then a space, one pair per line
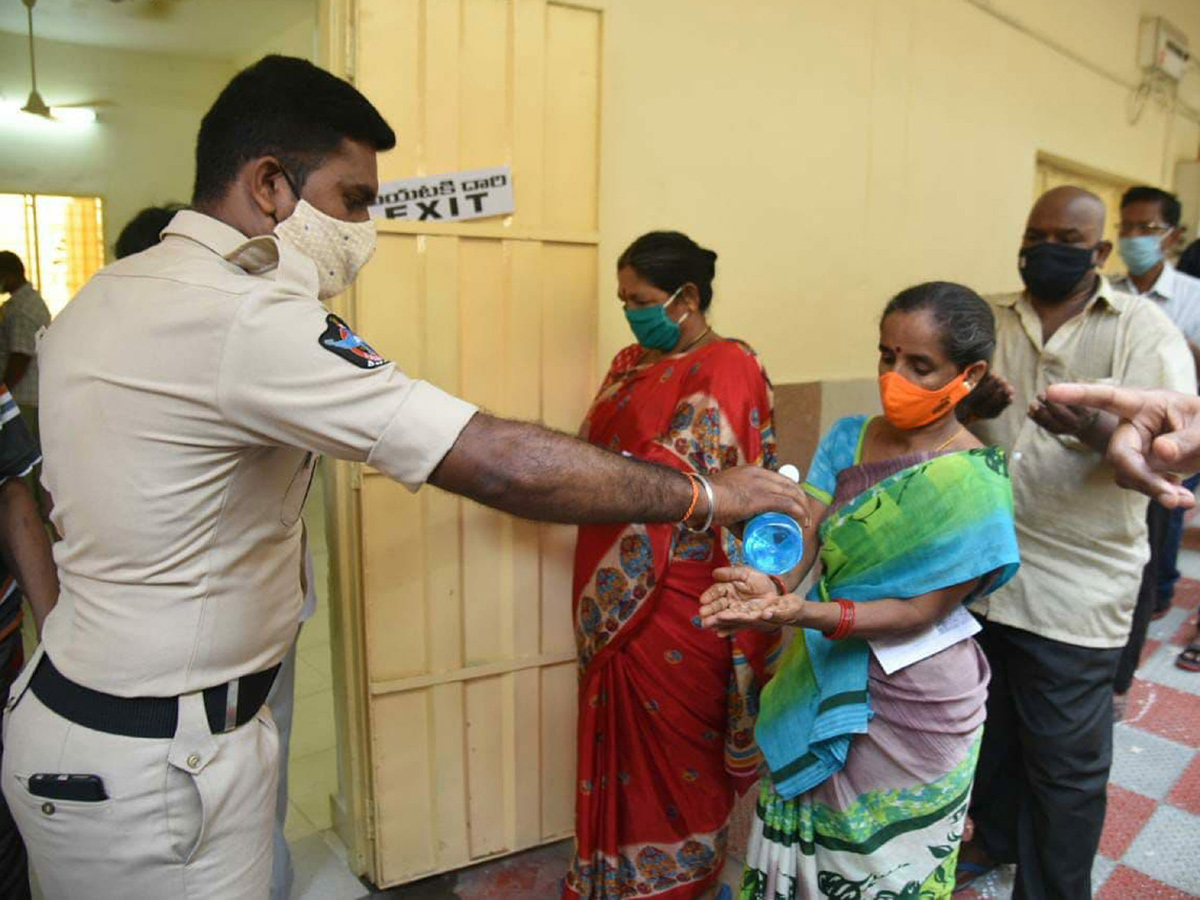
454, 655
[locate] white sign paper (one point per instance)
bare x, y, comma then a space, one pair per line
447, 198
896, 653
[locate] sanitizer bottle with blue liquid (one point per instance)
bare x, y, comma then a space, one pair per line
772, 542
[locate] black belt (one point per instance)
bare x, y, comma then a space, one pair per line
148, 717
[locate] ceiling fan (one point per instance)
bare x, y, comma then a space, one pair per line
35, 105
151, 9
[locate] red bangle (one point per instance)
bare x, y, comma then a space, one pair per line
845, 623
841, 618
778, 582
851, 610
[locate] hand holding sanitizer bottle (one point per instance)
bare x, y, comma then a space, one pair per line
773, 542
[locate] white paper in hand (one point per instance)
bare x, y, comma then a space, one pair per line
896, 653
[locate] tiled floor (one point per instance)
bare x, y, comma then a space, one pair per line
1152, 833
320, 870
534, 875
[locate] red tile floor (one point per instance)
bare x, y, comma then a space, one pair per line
1151, 836
533, 875
1151, 844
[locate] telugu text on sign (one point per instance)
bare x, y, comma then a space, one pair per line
447, 198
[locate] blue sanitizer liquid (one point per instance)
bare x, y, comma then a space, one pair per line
773, 543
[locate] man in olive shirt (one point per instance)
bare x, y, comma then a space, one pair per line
1054, 634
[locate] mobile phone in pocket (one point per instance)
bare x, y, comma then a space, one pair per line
60, 786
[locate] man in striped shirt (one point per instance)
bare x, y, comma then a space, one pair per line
26, 567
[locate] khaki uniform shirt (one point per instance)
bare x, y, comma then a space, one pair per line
1083, 538
186, 392
22, 320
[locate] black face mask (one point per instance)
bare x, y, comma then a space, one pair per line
1052, 271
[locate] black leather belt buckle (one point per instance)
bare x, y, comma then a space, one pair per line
226, 713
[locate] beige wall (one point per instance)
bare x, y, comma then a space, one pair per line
835, 152
137, 153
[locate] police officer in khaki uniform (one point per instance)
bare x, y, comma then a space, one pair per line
186, 393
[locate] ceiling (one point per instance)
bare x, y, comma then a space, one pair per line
220, 29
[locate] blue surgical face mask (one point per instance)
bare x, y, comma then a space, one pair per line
652, 327
1141, 253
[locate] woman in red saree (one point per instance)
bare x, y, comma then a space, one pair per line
666, 709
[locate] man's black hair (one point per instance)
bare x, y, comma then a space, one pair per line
1189, 260
143, 231
287, 108
11, 264
1168, 203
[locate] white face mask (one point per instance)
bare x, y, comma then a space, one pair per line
339, 249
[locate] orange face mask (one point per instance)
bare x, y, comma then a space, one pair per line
908, 406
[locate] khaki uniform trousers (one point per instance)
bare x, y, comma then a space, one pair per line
189, 818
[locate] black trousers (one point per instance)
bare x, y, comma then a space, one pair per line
1158, 520
14, 868
1040, 788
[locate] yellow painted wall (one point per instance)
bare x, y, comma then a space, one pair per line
137, 153
835, 152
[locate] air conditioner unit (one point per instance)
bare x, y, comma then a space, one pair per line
1163, 49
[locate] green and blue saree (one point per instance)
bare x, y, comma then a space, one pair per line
870, 774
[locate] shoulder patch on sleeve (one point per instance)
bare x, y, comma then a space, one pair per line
340, 340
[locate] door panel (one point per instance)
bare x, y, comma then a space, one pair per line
572, 127
466, 620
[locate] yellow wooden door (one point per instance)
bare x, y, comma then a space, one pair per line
453, 635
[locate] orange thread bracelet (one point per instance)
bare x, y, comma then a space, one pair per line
778, 582
695, 497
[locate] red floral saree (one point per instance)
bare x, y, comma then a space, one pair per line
666, 709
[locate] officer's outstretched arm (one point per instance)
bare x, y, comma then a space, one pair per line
533, 472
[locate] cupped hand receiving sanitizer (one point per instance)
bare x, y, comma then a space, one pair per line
743, 598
